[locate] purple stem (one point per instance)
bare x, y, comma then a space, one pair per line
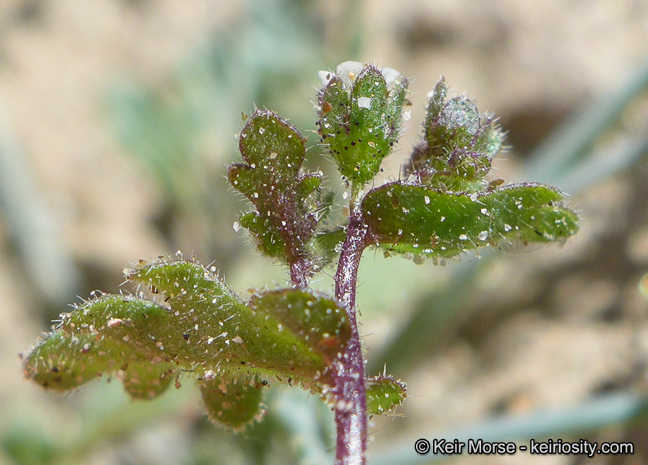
292, 228
300, 272
350, 394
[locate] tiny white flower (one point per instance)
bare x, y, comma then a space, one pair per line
390, 75
348, 71
326, 77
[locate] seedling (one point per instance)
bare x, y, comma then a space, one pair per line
183, 319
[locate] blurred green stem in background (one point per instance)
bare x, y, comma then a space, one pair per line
34, 230
572, 141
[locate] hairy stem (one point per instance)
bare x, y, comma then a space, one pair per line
350, 395
301, 267
300, 271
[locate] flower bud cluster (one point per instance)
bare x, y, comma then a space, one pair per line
360, 114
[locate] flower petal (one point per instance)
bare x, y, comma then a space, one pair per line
348, 71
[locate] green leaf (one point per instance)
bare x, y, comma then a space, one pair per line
284, 221
360, 119
234, 404
119, 317
384, 393
200, 326
318, 321
257, 339
108, 335
405, 218
269, 240
60, 362
272, 145
147, 380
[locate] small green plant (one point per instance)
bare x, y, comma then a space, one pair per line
183, 319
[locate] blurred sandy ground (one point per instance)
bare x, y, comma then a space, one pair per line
532, 63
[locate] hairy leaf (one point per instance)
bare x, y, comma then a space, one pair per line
273, 151
384, 393
319, 321
234, 404
147, 380
406, 218
290, 335
61, 362
242, 338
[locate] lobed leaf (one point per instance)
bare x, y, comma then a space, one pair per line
384, 393
405, 218
64, 361
319, 321
202, 327
224, 331
147, 380
284, 221
234, 404
61, 362
271, 144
